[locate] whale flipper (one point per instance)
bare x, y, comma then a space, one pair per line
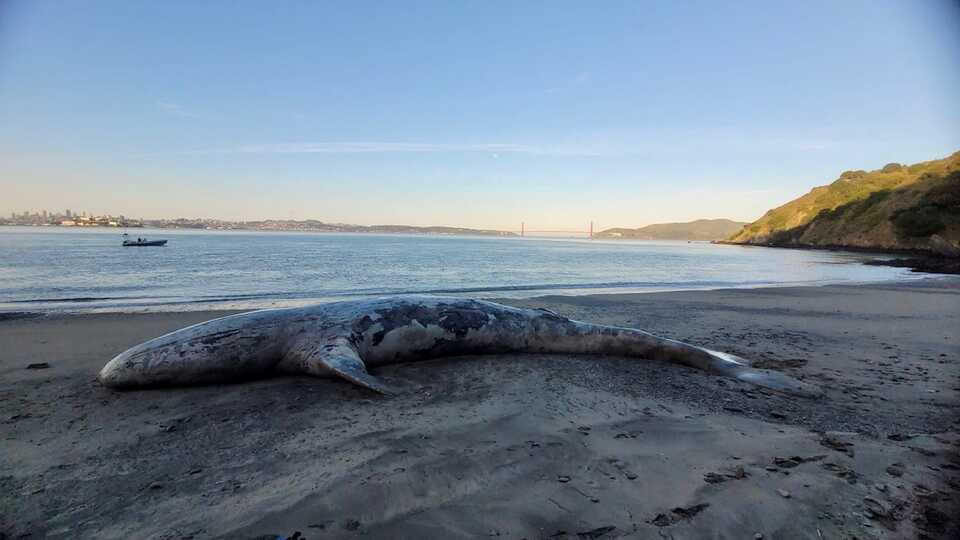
352, 368
335, 357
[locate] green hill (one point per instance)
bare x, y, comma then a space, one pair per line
898, 207
701, 229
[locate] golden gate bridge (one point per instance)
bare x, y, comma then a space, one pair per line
525, 231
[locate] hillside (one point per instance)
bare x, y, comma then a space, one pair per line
701, 229
898, 207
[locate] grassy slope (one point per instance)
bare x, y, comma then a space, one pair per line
701, 229
897, 207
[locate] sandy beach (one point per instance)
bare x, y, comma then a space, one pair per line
510, 446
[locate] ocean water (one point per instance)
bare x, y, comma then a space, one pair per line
87, 270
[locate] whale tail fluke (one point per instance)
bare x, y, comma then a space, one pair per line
589, 338
779, 382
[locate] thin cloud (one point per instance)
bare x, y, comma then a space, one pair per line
407, 147
652, 145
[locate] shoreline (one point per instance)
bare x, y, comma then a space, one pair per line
178, 307
831, 247
918, 260
521, 445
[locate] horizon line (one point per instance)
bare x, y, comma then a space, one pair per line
520, 230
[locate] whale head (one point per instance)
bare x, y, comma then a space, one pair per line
234, 347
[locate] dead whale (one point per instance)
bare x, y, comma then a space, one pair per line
344, 339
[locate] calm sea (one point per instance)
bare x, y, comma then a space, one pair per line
52, 269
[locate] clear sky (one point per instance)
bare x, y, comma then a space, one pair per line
480, 114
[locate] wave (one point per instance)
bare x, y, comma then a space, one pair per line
348, 293
273, 297
83, 299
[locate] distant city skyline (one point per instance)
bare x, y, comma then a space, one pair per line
64, 217
480, 115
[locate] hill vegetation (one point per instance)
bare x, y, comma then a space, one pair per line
899, 207
701, 229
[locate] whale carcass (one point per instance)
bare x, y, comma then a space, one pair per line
345, 339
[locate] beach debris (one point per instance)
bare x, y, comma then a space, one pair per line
351, 524
563, 479
38, 365
678, 514
784, 493
834, 442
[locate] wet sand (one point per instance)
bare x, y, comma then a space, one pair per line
510, 446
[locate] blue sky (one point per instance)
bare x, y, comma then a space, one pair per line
478, 114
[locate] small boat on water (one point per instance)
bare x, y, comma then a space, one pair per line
140, 242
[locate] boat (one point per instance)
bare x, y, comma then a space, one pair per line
141, 242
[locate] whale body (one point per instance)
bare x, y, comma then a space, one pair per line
344, 339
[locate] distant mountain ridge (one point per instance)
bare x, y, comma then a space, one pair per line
312, 225
898, 207
701, 229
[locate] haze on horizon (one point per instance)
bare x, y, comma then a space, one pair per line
466, 114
